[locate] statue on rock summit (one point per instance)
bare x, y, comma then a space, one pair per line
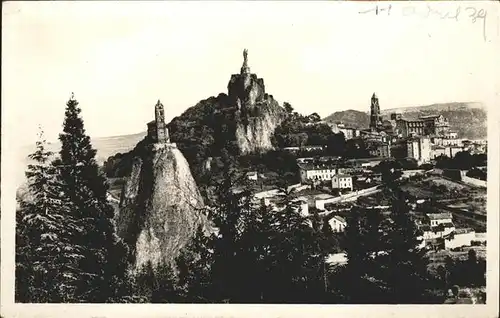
244, 68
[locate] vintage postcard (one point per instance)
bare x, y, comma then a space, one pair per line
250, 158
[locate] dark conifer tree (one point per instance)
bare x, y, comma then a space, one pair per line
194, 265
359, 280
406, 261
104, 264
46, 254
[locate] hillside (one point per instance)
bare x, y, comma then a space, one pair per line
352, 118
468, 119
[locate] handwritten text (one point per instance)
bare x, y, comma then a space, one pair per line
473, 14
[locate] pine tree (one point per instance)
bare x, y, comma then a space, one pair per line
46, 256
359, 280
296, 258
104, 264
406, 262
194, 265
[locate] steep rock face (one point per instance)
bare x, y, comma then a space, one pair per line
253, 133
257, 113
160, 206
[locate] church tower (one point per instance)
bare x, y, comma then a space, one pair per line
375, 118
157, 129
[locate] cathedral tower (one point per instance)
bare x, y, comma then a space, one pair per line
375, 118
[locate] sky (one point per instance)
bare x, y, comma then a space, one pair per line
119, 58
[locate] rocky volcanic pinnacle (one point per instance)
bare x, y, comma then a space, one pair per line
258, 114
161, 206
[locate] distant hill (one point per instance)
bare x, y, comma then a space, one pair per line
455, 106
468, 119
105, 146
352, 118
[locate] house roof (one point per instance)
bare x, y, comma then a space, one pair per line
439, 216
463, 231
429, 116
437, 147
316, 166
342, 176
339, 218
323, 196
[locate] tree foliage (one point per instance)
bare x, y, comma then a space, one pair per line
47, 257
67, 250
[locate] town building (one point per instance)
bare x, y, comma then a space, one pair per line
373, 136
337, 223
349, 132
312, 171
424, 126
407, 128
342, 181
379, 149
437, 151
439, 218
446, 140
312, 148
436, 227
419, 149
435, 125
292, 149
364, 162
252, 175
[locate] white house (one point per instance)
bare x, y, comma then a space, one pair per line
342, 181
316, 172
439, 218
252, 175
438, 231
337, 223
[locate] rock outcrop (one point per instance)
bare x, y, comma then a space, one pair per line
251, 116
160, 207
257, 114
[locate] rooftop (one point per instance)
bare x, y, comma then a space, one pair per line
343, 176
463, 231
429, 116
439, 216
366, 159
316, 166
323, 196
339, 218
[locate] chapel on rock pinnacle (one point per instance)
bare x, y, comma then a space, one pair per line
157, 129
